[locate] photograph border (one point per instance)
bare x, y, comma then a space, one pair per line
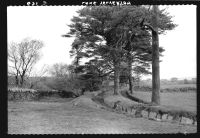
4, 42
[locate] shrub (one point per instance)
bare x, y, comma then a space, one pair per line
67, 94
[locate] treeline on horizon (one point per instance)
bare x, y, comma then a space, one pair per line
172, 81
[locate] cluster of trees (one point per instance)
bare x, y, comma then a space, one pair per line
24, 55
77, 79
119, 39
63, 78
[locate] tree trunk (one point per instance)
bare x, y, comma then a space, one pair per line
155, 59
130, 84
130, 75
22, 79
16, 80
116, 77
31, 86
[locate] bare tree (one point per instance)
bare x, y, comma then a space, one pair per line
22, 57
59, 70
65, 78
37, 76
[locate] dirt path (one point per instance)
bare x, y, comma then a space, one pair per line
63, 118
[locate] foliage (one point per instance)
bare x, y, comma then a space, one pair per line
64, 78
91, 78
115, 33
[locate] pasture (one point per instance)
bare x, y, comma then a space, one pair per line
64, 118
186, 101
163, 86
56, 115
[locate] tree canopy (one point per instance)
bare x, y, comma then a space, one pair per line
116, 34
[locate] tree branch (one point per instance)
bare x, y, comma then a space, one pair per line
149, 27
107, 73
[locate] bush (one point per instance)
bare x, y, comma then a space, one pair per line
41, 86
67, 94
90, 82
65, 85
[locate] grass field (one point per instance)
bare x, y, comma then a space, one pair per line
177, 85
184, 100
54, 115
187, 101
171, 84
62, 118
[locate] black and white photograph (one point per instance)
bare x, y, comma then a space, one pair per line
123, 69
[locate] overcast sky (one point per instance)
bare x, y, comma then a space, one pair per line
50, 22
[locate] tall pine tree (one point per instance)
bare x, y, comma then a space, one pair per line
103, 31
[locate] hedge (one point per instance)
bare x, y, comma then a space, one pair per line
22, 94
17, 94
